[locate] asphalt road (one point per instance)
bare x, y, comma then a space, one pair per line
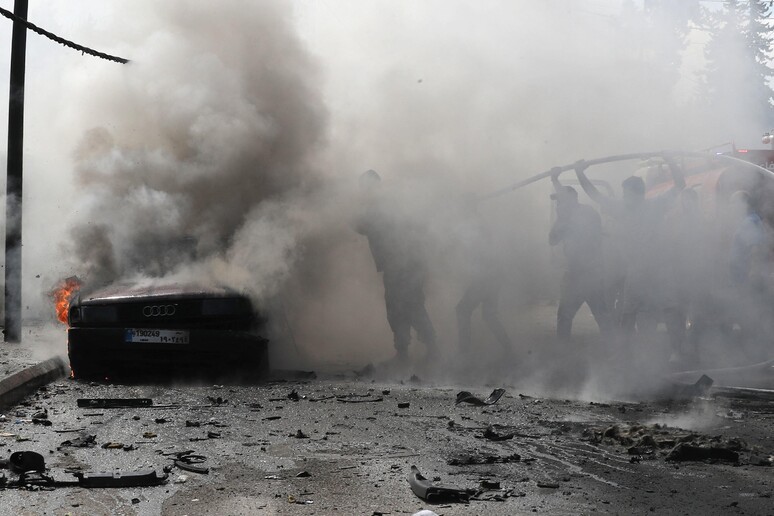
345, 445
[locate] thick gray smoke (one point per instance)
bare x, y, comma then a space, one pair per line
199, 142
228, 152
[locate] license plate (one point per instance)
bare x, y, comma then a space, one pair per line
158, 336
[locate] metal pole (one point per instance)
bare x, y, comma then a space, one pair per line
13, 189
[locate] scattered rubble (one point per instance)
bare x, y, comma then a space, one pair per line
469, 460
493, 435
675, 444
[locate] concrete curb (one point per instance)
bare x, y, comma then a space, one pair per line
22, 383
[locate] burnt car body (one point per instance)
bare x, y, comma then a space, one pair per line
166, 332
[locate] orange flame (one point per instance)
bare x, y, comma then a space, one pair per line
63, 295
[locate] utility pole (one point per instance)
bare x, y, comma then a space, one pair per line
13, 189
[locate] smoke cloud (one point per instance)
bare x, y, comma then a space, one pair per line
228, 152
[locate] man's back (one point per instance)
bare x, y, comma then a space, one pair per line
582, 239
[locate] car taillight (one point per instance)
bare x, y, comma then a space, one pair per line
74, 315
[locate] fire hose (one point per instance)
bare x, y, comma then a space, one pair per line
621, 157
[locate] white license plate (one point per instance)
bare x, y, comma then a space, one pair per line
159, 336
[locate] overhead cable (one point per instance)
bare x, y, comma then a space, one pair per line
62, 41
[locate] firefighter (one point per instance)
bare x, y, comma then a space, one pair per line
747, 271
638, 219
484, 278
578, 227
395, 245
688, 278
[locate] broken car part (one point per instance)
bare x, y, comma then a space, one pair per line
114, 402
188, 461
467, 397
31, 467
193, 468
140, 478
433, 493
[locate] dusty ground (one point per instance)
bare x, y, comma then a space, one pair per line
357, 440
569, 436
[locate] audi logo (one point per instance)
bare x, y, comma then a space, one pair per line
159, 310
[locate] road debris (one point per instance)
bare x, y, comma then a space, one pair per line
141, 478
30, 467
493, 435
743, 393
470, 460
492, 485
24, 461
434, 493
681, 391
82, 441
359, 400
467, 397
676, 445
689, 452
323, 398
297, 501
293, 396
493, 495
213, 422
114, 402
189, 461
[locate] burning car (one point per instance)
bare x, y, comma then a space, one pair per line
165, 331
